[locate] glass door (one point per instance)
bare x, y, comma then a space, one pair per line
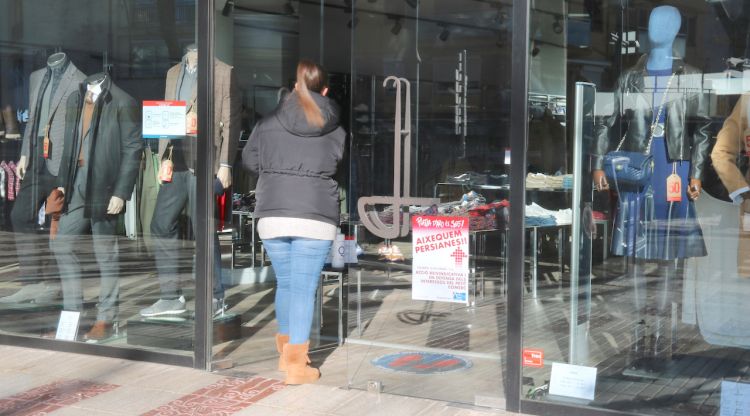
263, 41
646, 108
428, 199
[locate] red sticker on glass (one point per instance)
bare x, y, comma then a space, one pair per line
533, 358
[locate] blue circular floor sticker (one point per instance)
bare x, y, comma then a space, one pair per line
422, 362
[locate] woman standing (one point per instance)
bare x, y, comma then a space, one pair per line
295, 151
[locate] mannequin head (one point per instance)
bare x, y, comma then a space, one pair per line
663, 25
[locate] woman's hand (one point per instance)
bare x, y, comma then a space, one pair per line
694, 191
600, 180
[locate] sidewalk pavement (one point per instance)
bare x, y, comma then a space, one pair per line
40, 382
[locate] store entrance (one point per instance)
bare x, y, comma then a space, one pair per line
264, 40
423, 88
429, 195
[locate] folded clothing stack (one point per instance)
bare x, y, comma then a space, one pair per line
542, 181
537, 216
567, 182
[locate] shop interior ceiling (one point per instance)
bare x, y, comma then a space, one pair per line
483, 14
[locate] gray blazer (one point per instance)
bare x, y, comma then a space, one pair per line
69, 82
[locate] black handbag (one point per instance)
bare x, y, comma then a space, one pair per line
633, 169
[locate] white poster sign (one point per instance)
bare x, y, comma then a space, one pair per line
67, 326
164, 119
573, 381
440, 253
735, 398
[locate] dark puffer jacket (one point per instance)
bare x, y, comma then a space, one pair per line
296, 162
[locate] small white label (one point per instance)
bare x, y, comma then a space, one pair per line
573, 381
67, 327
735, 398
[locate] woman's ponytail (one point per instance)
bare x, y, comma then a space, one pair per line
310, 76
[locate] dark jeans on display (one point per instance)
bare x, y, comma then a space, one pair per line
32, 247
169, 250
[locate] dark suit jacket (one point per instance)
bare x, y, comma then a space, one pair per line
115, 152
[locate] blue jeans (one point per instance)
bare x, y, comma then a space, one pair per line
297, 263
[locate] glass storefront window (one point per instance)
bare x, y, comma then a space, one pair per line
98, 150
644, 117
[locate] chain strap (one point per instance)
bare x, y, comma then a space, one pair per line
656, 120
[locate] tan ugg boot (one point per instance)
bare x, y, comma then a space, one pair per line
297, 370
281, 340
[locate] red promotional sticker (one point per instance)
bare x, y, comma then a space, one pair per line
533, 358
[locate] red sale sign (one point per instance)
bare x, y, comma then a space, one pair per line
533, 358
440, 253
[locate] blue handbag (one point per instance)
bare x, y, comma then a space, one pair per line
628, 169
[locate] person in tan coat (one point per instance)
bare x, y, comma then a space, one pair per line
734, 138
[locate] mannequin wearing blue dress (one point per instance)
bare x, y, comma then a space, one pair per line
648, 227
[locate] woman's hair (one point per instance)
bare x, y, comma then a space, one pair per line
311, 77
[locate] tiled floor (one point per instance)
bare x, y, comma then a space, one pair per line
38, 382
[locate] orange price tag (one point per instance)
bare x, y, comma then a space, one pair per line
192, 123
45, 147
674, 188
166, 170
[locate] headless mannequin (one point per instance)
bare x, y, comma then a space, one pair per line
54, 61
116, 204
224, 174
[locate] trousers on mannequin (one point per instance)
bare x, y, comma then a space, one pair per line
653, 336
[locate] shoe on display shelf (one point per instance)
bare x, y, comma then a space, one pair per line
165, 307
218, 307
99, 332
38, 293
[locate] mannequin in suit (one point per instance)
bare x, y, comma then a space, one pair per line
179, 191
49, 89
100, 163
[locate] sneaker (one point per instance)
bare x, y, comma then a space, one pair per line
219, 307
165, 307
39, 293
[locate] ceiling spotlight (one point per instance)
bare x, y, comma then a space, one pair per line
412, 3
445, 33
557, 26
228, 8
288, 8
